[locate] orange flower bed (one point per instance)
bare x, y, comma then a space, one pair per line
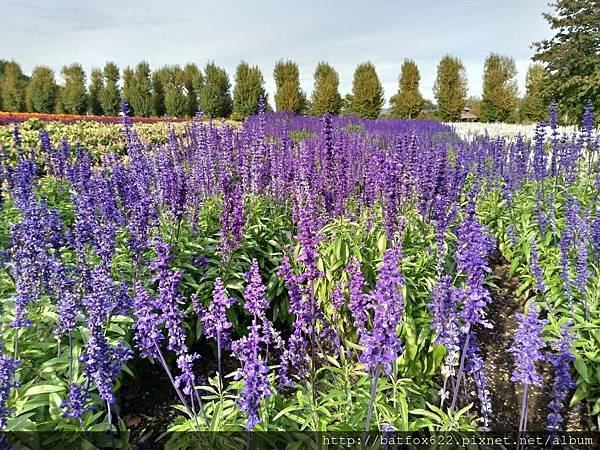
11, 117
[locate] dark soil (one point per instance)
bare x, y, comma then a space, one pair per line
499, 365
147, 400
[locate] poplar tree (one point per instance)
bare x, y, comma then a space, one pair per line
450, 88
326, 97
73, 95
176, 104
141, 91
13, 92
42, 91
534, 106
96, 86
407, 103
288, 94
249, 88
193, 82
110, 94
499, 99
215, 96
158, 92
367, 92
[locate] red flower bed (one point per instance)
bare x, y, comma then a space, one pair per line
11, 117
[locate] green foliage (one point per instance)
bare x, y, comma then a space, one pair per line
572, 56
73, 94
534, 105
12, 88
193, 83
110, 94
499, 101
367, 92
326, 97
215, 97
249, 88
96, 86
128, 83
288, 95
407, 103
42, 91
176, 102
450, 88
158, 92
140, 95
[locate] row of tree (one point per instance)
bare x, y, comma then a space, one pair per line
180, 92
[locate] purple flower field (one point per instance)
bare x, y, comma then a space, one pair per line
300, 273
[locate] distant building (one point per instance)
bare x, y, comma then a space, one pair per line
467, 115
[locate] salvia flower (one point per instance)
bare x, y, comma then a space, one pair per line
8, 366
527, 346
77, 402
381, 345
215, 321
561, 359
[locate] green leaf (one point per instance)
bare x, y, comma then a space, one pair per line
582, 369
43, 389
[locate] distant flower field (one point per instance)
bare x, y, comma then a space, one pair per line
294, 273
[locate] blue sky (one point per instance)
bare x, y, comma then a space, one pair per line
344, 33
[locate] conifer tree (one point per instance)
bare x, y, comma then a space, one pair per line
367, 92
215, 96
499, 100
407, 103
288, 94
249, 88
110, 94
42, 91
326, 97
73, 95
450, 88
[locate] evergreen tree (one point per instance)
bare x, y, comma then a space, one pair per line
215, 98
193, 82
110, 94
450, 88
499, 100
176, 104
42, 91
408, 101
249, 88
326, 97
572, 56
73, 95
288, 95
367, 92
141, 91
534, 106
13, 89
159, 78
96, 86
